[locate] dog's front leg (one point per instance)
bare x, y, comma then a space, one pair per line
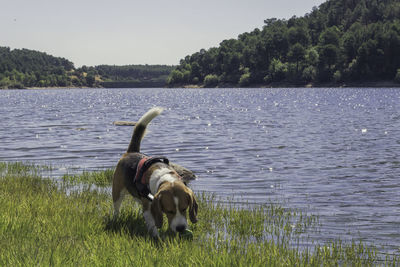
149, 219
150, 223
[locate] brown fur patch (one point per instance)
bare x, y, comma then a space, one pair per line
165, 197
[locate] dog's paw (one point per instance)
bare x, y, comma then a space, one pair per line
154, 232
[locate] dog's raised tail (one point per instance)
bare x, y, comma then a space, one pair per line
140, 129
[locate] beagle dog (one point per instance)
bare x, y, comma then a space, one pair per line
155, 183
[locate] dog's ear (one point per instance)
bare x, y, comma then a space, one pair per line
156, 210
193, 208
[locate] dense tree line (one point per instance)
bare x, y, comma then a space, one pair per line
20, 68
27, 68
340, 41
134, 72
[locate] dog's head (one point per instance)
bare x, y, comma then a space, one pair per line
175, 200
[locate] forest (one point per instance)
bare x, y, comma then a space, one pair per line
23, 68
339, 42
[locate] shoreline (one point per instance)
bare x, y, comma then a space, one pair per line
377, 84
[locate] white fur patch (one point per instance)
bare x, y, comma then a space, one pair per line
179, 219
150, 222
159, 176
150, 115
156, 179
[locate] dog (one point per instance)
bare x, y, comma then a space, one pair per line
155, 183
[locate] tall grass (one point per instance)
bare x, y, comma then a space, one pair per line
99, 178
41, 224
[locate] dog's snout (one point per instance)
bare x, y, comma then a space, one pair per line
180, 228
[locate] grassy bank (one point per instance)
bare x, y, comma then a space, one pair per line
43, 222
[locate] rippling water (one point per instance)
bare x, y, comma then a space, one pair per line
332, 152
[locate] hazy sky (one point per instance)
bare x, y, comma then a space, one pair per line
93, 32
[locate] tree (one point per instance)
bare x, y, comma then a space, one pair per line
327, 58
277, 71
328, 55
245, 79
309, 74
296, 54
176, 77
397, 77
211, 80
90, 79
330, 36
312, 56
196, 71
298, 35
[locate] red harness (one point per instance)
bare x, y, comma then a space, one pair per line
139, 170
139, 180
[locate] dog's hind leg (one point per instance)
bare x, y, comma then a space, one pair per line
117, 200
118, 193
118, 189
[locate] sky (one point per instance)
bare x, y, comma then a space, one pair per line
122, 32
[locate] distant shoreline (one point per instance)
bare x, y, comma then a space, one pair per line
377, 84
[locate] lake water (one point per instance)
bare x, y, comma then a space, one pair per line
330, 152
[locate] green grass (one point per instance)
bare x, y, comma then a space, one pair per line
99, 178
43, 222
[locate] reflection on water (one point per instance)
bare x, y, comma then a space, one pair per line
333, 152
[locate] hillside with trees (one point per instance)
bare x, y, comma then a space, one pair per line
133, 75
22, 68
340, 42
